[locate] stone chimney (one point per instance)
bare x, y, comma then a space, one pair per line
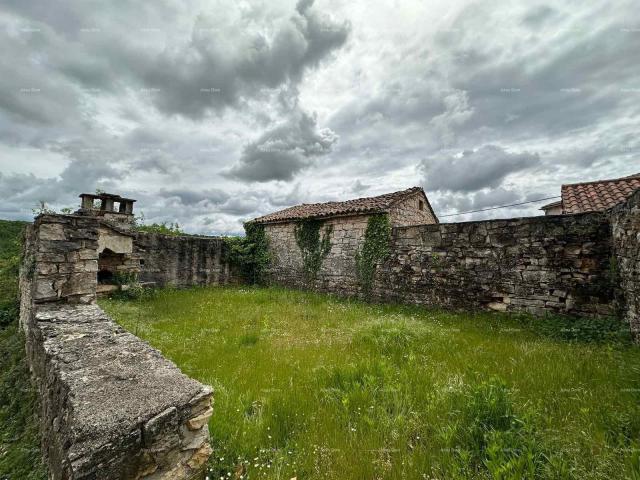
113, 208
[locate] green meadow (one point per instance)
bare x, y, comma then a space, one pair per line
310, 386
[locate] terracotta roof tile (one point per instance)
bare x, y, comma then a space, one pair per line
358, 206
599, 195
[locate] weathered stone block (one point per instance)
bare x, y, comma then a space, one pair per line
79, 284
44, 290
51, 231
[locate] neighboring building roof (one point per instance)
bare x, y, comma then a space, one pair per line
599, 195
358, 206
552, 205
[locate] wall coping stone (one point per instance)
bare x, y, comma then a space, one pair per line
118, 387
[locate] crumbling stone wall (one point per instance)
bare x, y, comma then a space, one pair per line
111, 407
625, 222
541, 264
182, 260
557, 264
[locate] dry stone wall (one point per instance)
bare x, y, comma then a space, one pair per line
182, 260
558, 264
625, 221
111, 407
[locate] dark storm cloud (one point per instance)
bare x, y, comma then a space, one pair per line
219, 65
485, 167
358, 187
280, 153
211, 73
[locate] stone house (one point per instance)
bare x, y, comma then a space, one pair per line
596, 196
347, 222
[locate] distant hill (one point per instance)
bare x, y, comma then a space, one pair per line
10, 232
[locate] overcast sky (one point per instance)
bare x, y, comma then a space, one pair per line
210, 113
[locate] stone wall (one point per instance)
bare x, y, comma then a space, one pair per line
337, 273
111, 407
64, 262
182, 260
555, 264
625, 222
407, 212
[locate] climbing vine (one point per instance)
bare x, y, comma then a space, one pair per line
313, 245
374, 249
249, 254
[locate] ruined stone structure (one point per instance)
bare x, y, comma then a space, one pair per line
112, 407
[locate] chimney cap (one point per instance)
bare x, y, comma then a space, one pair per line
110, 196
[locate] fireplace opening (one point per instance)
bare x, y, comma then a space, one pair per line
108, 263
105, 276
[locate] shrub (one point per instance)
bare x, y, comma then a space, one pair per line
164, 228
133, 291
249, 254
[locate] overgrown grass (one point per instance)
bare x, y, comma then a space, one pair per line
315, 387
19, 438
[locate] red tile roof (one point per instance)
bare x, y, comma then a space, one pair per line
599, 195
358, 206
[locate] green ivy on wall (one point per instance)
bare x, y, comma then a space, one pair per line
249, 254
313, 245
374, 249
